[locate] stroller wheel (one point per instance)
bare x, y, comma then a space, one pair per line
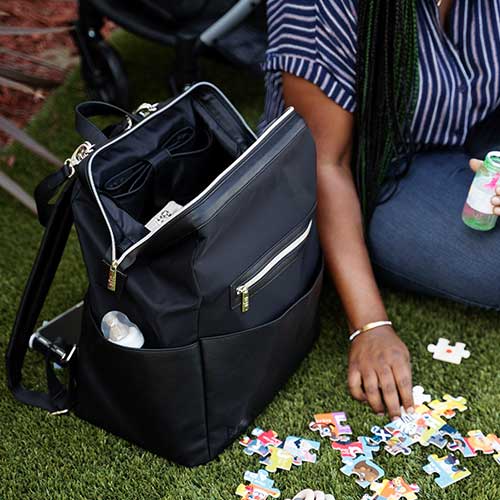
104, 74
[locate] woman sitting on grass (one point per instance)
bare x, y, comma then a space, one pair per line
390, 89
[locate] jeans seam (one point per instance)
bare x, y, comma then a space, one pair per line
438, 290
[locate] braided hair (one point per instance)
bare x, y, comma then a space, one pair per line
386, 86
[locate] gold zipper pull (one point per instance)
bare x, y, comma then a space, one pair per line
245, 298
112, 276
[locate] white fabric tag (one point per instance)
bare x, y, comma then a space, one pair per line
163, 215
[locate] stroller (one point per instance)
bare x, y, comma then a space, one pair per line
227, 29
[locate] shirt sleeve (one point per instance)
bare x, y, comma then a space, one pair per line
314, 40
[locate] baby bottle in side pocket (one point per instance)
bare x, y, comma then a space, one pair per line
478, 210
117, 328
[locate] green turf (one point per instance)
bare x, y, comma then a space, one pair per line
44, 457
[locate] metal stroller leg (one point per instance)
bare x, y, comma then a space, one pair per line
101, 65
234, 16
188, 47
186, 68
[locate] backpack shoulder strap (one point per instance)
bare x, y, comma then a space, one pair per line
35, 292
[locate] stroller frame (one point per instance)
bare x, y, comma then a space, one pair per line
102, 67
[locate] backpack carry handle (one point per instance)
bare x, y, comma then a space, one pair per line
88, 130
35, 292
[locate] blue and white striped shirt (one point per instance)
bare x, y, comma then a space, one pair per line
459, 69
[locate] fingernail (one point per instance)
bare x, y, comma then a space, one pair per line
394, 418
410, 410
380, 414
496, 210
495, 200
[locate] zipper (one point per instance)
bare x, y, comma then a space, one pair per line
115, 260
243, 290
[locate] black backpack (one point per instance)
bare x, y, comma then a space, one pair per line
225, 289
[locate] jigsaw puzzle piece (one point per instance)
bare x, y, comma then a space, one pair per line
260, 443
399, 444
331, 425
350, 450
429, 419
393, 489
260, 487
301, 449
366, 470
419, 396
447, 468
495, 443
447, 407
277, 459
459, 443
443, 351
379, 435
443, 436
477, 441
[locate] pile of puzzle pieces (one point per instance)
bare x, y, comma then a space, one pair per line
427, 425
274, 454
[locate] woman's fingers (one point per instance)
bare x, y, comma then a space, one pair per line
402, 375
370, 384
355, 384
389, 391
475, 164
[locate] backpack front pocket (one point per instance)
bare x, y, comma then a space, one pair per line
267, 268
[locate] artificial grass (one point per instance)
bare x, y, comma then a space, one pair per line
44, 457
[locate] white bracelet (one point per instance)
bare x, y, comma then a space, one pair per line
368, 327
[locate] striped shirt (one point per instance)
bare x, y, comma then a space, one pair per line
459, 68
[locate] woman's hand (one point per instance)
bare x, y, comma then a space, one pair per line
475, 165
380, 371
312, 495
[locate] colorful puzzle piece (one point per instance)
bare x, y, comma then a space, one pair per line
411, 424
331, 425
261, 442
449, 353
301, 449
448, 469
399, 443
260, 487
366, 470
379, 435
477, 441
419, 396
278, 459
439, 438
495, 443
459, 443
349, 451
447, 407
393, 489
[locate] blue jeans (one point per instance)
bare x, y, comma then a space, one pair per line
418, 241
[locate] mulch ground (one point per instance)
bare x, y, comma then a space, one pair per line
44, 57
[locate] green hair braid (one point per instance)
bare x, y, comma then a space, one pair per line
386, 86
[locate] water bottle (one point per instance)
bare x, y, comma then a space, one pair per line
478, 210
117, 328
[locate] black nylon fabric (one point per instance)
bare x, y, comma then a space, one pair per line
207, 367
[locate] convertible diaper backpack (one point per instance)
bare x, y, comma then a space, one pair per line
205, 237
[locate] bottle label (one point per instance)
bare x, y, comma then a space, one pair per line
481, 191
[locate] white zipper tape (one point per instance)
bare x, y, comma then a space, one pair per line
129, 131
278, 258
